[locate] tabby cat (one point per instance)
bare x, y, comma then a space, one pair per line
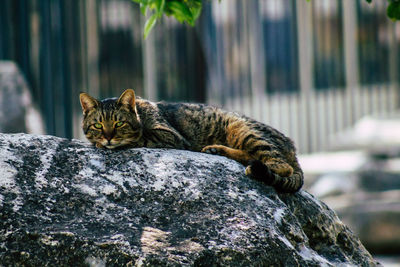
135, 122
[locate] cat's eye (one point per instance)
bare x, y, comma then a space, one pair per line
119, 124
98, 125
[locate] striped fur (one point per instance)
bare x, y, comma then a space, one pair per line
134, 122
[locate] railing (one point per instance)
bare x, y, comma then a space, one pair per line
311, 69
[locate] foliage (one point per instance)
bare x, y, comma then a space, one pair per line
393, 10
183, 11
189, 10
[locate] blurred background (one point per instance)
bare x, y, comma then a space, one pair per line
325, 73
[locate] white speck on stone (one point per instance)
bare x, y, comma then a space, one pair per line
17, 203
117, 237
278, 214
159, 185
310, 197
108, 189
232, 194
84, 188
7, 177
95, 262
96, 162
285, 240
45, 159
258, 199
252, 194
310, 254
7, 172
48, 240
66, 233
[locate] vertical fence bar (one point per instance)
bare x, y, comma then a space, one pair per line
6, 35
149, 69
304, 30
22, 38
46, 79
91, 51
257, 64
64, 42
394, 66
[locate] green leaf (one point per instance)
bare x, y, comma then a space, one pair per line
160, 6
195, 9
149, 25
393, 10
180, 11
143, 9
369, 1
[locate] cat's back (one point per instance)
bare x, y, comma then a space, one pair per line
181, 111
203, 124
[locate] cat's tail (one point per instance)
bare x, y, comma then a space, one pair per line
260, 172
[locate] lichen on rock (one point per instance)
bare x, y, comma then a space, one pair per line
64, 202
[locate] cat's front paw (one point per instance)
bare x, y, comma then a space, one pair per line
214, 149
98, 145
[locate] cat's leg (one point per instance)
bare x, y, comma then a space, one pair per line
261, 172
235, 154
277, 172
274, 160
270, 170
276, 165
279, 167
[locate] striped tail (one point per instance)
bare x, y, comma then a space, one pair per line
260, 172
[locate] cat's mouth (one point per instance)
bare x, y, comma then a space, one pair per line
115, 143
110, 144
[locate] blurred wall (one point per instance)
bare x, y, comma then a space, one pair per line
311, 69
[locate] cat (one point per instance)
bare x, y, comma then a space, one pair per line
130, 121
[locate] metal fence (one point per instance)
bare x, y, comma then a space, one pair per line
311, 69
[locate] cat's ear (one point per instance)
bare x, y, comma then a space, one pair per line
87, 102
128, 98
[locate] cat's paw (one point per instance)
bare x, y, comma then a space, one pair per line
214, 149
98, 145
259, 171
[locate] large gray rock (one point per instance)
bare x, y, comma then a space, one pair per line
66, 203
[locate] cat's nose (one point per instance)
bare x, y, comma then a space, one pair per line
108, 136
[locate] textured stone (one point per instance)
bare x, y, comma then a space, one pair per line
66, 203
364, 191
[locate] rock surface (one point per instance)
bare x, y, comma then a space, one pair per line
66, 203
365, 196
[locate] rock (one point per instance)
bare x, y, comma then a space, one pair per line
363, 187
66, 203
17, 113
374, 217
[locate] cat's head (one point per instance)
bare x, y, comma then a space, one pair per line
111, 122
